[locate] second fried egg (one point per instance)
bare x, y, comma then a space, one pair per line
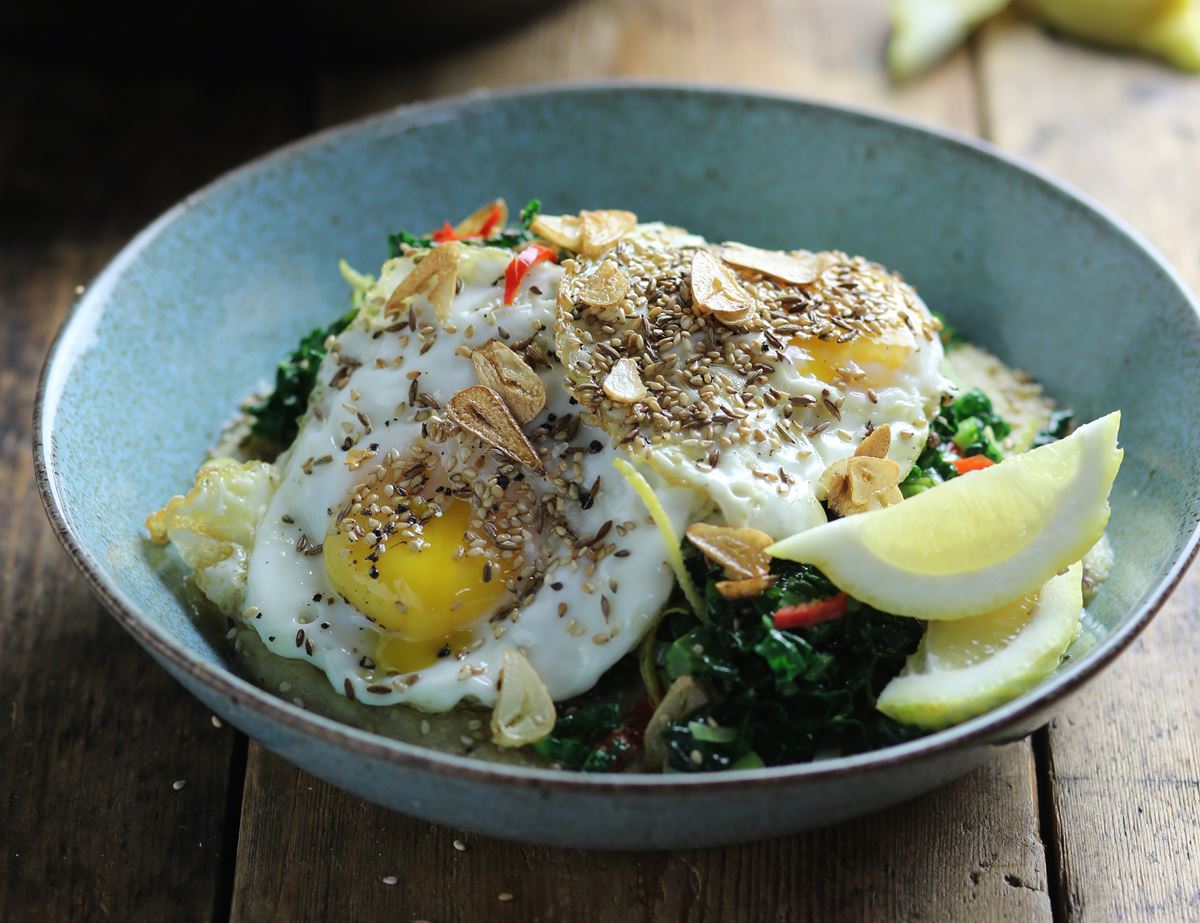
750, 398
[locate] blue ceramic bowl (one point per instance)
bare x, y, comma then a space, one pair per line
201, 304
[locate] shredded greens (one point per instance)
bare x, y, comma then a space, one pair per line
577, 735
966, 426
274, 420
780, 696
1060, 424
507, 238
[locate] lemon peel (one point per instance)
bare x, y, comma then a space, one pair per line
670, 537
965, 668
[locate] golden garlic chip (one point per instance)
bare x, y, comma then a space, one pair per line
439, 269
859, 484
561, 230
877, 444
790, 268
499, 368
742, 552
623, 383
524, 712
482, 412
717, 291
599, 230
604, 286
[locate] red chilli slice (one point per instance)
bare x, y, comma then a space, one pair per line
447, 233
974, 463
813, 613
489, 223
443, 234
520, 265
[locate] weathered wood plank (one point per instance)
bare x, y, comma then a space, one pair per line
93, 735
970, 851
828, 49
1124, 758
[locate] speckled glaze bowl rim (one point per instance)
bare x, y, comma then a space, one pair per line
990, 728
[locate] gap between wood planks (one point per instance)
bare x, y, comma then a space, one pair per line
1040, 753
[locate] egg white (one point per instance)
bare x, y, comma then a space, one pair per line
299, 614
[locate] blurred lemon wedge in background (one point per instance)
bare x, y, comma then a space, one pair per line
978, 541
1167, 28
925, 31
970, 666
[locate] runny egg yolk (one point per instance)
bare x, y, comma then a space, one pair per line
424, 597
822, 359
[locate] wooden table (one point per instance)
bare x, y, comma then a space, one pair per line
120, 796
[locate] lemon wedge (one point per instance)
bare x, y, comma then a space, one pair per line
1169, 29
978, 541
969, 666
925, 31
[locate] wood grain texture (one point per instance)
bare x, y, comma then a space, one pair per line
968, 852
827, 49
92, 733
1124, 757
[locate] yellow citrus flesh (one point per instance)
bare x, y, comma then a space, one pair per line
969, 666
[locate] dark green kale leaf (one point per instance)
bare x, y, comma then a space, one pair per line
274, 420
528, 214
402, 240
1057, 427
781, 696
577, 736
970, 423
967, 426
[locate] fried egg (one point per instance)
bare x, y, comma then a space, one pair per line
751, 409
401, 555
422, 525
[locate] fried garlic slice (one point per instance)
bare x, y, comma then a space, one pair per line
790, 268
499, 368
524, 712
623, 383
742, 552
438, 272
482, 412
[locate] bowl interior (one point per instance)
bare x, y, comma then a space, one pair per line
200, 308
